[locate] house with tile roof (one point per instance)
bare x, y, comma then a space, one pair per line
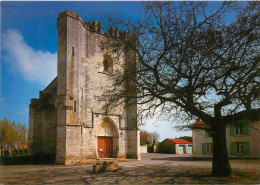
175, 146
242, 140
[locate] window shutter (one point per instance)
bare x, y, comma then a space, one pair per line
233, 148
246, 148
206, 133
204, 148
232, 129
245, 129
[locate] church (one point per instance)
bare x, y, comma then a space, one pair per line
68, 120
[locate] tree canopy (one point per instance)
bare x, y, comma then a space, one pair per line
195, 60
191, 60
12, 134
149, 137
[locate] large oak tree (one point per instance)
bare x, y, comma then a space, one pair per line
197, 58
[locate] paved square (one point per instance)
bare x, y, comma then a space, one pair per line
152, 169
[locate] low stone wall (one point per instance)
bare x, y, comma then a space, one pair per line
143, 149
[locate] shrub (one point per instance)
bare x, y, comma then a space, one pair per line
150, 148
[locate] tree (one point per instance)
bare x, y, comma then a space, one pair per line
12, 134
144, 137
153, 138
194, 62
149, 137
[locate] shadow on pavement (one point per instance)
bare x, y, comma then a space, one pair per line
154, 176
173, 159
181, 159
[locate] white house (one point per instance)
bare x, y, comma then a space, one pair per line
243, 141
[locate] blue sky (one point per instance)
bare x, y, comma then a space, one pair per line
28, 52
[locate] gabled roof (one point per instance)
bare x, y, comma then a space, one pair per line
180, 141
199, 122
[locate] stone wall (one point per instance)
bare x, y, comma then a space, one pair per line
81, 84
43, 122
143, 149
69, 111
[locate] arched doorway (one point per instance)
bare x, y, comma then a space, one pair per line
107, 139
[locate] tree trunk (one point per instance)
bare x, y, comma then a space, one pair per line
220, 163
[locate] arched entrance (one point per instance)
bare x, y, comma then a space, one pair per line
107, 139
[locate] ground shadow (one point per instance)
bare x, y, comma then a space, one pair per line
181, 159
189, 177
166, 177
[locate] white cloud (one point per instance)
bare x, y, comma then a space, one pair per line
36, 66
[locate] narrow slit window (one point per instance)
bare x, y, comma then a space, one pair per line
72, 51
75, 106
108, 64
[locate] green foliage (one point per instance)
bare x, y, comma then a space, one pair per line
150, 148
15, 157
16, 160
12, 136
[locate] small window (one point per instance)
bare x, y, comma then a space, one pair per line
75, 106
240, 148
72, 51
239, 129
209, 148
108, 64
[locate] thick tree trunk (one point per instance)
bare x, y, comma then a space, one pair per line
220, 163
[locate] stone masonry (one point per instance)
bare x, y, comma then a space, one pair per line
68, 118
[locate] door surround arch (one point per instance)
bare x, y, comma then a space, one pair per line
107, 138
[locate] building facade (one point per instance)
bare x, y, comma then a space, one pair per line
69, 120
175, 146
242, 141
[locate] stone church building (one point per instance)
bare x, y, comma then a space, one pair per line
68, 120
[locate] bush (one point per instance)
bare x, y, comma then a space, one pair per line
21, 152
16, 160
25, 151
150, 148
13, 152
18, 157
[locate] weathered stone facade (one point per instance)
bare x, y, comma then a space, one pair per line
70, 111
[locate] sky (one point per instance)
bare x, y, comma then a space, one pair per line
29, 53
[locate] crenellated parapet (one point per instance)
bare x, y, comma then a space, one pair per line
91, 25
123, 35
96, 26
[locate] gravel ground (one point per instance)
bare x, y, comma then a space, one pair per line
152, 169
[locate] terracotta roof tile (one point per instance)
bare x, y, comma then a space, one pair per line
180, 141
200, 122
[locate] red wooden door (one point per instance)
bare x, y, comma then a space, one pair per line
105, 145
